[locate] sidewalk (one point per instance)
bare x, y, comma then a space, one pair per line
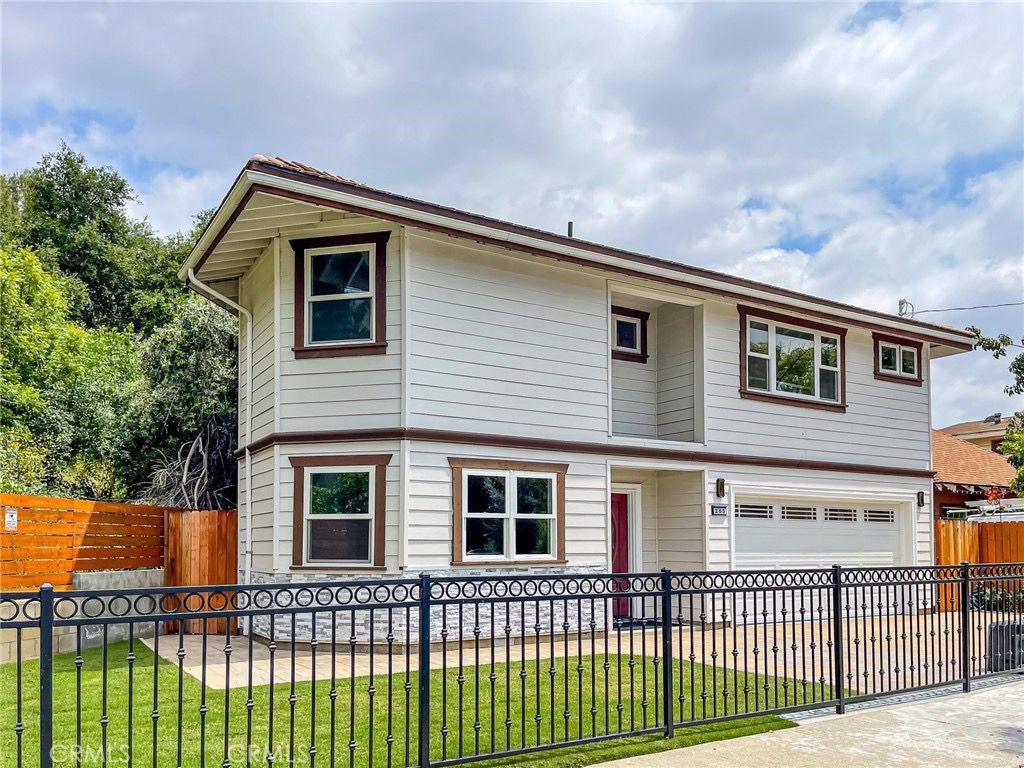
983, 728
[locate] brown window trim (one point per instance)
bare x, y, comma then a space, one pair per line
380, 297
559, 471
643, 317
747, 312
877, 339
379, 462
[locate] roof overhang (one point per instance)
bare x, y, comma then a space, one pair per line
231, 244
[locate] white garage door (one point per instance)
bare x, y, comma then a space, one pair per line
803, 534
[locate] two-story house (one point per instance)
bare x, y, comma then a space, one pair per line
426, 389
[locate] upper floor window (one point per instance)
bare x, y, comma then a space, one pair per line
790, 359
629, 334
898, 360
507, 511
339, 510
340, 295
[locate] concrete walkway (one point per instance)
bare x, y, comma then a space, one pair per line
980, 729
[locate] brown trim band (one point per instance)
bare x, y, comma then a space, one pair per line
380, 296
631, 357
458, 464
379, 461
604, 250
897, 341
563, 446
650, 261
746, 312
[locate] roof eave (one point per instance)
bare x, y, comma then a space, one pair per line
355, 197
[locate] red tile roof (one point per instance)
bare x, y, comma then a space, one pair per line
957, 461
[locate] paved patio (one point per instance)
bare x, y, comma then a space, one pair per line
981, 729
875, 662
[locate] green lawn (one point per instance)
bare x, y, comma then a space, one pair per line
386, 719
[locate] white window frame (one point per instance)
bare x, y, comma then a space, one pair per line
818, 365
510, 515
307, 501
638, 322
900, 349
371, 294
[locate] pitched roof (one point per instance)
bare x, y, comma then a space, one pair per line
957, 461
277, 171
971, 427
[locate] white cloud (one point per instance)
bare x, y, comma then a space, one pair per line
648, 125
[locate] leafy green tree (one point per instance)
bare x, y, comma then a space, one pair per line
64, 385
1013, 444
115, 381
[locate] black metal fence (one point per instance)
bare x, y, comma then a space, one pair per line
446, 670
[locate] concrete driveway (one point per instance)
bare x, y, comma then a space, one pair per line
983, 728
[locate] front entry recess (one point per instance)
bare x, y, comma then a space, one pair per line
620, 550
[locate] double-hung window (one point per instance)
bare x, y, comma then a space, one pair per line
339, 515
794, 359
505, 513
340, 295
339, 509
898, 360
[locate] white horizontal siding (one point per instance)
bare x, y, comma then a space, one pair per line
286, 474
885, 423
504, 346
675, 373
262, 512
257, 295
337, 393
429, 520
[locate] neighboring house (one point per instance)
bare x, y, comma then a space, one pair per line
965, 472
438, 390
988, 433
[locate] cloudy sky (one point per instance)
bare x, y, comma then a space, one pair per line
860, 152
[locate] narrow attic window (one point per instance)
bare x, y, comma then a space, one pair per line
340, 295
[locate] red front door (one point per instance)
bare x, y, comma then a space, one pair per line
620, 549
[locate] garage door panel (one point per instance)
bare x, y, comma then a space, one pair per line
806, 534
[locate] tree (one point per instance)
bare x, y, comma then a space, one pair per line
112, 375
75, 216
1013, 444
63, 387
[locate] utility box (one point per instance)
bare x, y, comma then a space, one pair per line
1005, 646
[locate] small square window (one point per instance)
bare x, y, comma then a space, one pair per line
629, 334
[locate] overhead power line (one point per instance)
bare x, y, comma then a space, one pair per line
906, 305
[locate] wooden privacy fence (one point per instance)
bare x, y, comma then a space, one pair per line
202, 548
966, 541
47, 539
959, 541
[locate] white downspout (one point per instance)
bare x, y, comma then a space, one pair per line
205, 290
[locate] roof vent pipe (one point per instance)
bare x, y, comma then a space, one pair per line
570, 229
